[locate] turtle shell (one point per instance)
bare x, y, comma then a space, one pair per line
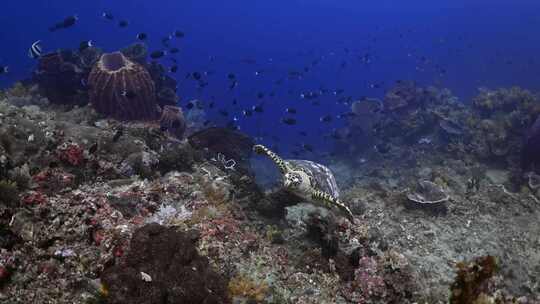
321, 177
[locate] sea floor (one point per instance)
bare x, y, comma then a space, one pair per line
82, 191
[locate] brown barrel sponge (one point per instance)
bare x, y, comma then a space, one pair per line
122, 89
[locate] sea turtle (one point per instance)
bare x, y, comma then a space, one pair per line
308, 180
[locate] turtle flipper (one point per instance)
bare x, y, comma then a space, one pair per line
280, 163
331, 201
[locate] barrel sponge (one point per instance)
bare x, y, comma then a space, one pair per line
122, 89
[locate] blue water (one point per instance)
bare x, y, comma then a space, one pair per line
458, 44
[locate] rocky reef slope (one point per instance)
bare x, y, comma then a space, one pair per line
91, 207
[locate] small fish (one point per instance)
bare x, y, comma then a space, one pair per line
258, 108
84, 45
107, 16
326, 118
142, 36
119, 132
157, 54
93, 148
4, 69
123, 23
35, 50
196, 75
233, 85
247, 113
338, 92
67, 22
231, 76
211, 105
290, 110
232, 125
202, 84
289, 121
224, 113
303, 133
173, 69
260, 95
174, 50
129, 94
178, 34
166, 41
190, 105
307, 147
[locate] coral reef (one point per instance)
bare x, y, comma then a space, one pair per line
60, 78
122, 89
472, 280
500, 122
163, 266
530, 153
81, 187
232, 144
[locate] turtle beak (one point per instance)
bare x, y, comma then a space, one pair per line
286, 183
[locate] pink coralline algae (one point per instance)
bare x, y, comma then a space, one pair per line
369, 282
70, 153
34, 198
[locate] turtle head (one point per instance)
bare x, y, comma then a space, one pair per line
292, 180
259, 149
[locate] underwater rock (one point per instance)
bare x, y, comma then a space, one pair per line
298, 215
172, 120
367, 112
322, 230
497, 176
232, 144
490, 102
451, 128
60, 78
403, 95
122, 89
163, 266
530, 153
